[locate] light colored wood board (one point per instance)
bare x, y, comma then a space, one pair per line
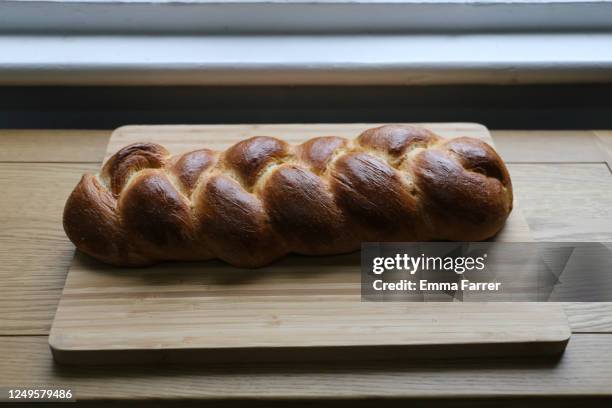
34, 250
565, 202
542, 146
516, 228
298, 308
585, 369
296, 303
53, 145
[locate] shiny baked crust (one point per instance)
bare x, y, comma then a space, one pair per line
263, 198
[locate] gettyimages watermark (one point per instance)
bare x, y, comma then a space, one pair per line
487, 271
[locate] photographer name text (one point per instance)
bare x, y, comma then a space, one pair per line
410, 265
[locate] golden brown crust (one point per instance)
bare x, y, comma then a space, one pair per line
303, 210
249, 157
120, 167
318, 151
373, 195
263, 198
396, 140
188, 167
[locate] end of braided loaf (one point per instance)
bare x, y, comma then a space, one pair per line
263, 198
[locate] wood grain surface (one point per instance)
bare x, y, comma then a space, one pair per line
604, 139
53, 145
300, 308
565, 202
540, 146
34, 250
25, 359
584, 369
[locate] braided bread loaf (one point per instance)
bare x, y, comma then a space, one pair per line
263, 198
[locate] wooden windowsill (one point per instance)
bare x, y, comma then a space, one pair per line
39, 168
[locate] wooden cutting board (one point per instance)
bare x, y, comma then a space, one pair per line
300, 308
